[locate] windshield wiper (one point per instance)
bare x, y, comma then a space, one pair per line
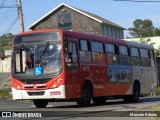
28, 50
43, 51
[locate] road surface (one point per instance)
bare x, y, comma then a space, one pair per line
112, 110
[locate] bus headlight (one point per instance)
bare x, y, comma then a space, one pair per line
16, 86
57, 83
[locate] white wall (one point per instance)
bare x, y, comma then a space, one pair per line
155, 40
5, 65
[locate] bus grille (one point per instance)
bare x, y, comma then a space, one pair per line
35, 93
35, 81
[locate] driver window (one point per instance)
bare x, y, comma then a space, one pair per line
71, 56
20, 60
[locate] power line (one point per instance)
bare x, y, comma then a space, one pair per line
9, 6
10, 27
2, 4
151, 1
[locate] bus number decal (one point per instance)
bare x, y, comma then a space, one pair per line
86, 68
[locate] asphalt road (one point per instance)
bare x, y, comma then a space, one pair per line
112, 110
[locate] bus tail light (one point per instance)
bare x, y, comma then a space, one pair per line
16, 85
57, 83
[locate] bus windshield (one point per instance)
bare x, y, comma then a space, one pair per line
37, 58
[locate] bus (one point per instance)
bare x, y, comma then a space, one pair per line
56, 65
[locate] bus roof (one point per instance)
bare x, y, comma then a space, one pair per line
92, 37
139, 45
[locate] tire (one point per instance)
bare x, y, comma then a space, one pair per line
86, 96
136, 94
99, 100
40, 103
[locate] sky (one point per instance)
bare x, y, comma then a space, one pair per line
121, 13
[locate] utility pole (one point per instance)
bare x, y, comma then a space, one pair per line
20, 14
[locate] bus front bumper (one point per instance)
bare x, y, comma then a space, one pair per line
58, 93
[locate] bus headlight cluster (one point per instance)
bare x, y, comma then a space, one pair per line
15, 85
57, 82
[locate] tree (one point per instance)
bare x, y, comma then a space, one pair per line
156, 31
142, 28
157, 51
6, 41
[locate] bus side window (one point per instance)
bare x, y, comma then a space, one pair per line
85, 53
135, 58
152, 58
145, 58
98, 55
71, 56
123, 55
111, 53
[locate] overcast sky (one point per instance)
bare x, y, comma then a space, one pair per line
121, 13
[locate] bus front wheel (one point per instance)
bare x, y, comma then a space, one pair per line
40, 103
86, 96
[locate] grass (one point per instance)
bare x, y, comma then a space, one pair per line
5, 94
5, 91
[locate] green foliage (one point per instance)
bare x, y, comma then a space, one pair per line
5, 94
158, 91
156, 32
6, 41
142, 28
157, 51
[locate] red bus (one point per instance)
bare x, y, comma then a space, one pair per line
52, 65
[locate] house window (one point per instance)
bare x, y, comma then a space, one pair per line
64, 21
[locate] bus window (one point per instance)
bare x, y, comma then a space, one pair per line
135, 59
21, 61
152, 58
123, 55
85, 54
98, 55
145, 60
111, 53
71, 56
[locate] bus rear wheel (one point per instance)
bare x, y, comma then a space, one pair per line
40, 103
136, 93
86, 96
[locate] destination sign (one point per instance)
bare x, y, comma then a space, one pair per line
37, 37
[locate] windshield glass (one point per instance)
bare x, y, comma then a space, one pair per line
38, 59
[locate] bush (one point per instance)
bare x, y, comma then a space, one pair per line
158, 91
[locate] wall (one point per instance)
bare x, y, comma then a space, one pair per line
155, 40
79, 22
5, 65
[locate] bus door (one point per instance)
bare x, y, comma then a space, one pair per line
72, 69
